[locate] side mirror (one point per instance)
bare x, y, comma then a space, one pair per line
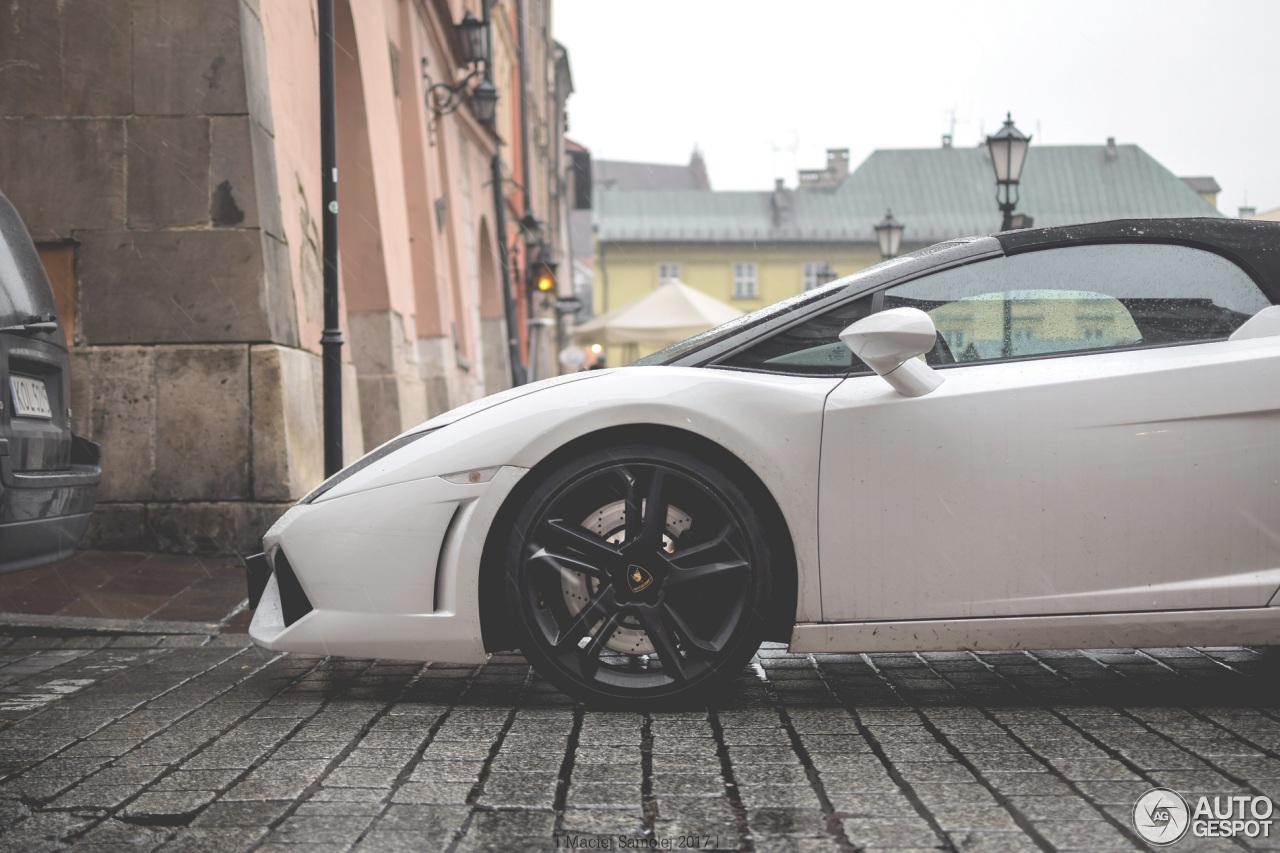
1264, 324
891, 342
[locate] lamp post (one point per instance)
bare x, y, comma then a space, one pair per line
889, 235
1008, 150
331, 335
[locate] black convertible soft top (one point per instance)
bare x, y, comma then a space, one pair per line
1252, 244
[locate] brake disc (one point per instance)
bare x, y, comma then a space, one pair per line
609, 523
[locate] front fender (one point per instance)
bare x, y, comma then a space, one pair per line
771, 423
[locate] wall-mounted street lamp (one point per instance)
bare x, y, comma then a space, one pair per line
484, 102
475, 38
533, 228
1008, 150
889, 235
541, 269
542, 277
444, 98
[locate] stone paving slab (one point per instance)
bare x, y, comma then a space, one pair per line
190, 743
128, 585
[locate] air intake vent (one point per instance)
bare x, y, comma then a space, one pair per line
293, 601
450, 534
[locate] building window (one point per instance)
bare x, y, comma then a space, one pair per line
744, 280
667, 272
817, 273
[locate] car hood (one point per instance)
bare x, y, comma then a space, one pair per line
476, 406
724, 406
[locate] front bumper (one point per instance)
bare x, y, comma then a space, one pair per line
389, 573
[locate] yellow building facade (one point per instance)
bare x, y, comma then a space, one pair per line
745, 275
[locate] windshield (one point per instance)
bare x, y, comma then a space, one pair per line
786, 306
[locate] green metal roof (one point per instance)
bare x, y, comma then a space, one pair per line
937, 193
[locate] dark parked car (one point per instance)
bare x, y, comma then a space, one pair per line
48, 476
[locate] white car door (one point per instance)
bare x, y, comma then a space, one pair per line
1099, 445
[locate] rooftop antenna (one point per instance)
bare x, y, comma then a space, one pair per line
948, 138
791, 149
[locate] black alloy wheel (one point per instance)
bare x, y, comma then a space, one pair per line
638, 575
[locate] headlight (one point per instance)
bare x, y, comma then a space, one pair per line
364, 462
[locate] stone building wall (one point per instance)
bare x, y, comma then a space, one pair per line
165, 156
128, 137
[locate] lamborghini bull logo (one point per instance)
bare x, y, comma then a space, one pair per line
638, 578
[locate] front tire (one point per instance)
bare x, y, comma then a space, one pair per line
638, 575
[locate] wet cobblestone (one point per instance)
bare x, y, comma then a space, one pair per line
156, 743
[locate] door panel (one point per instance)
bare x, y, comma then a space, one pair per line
1112, 481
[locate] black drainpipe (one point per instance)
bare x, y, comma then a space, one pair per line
331, 337
521, 24
500, 228
504, 258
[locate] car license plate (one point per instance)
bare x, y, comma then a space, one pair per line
30, 397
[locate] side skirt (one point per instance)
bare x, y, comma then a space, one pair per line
1236, 626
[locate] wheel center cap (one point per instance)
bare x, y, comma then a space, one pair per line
638, 578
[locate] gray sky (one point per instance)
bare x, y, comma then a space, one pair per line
766, 87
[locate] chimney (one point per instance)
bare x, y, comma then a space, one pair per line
1112, 151
781, 202
946, 140
837, 164
1248, 212
699, 168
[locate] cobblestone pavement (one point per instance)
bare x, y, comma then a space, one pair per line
206, 743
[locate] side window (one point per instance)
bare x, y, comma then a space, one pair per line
810, 348
1081, 298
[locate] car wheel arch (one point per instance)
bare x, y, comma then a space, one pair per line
495, 622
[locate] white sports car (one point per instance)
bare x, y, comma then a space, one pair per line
1057, 437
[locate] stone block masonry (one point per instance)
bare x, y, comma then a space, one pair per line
172, 287
203, 445
87, 191
139, 135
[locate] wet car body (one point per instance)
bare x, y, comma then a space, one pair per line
1091, 459
48, 476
